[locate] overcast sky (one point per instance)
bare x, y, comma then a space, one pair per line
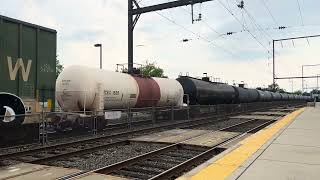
158, 37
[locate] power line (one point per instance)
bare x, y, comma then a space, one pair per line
270, 13
264, 28
244, 27
204, 22
301, 18
257, 25
254, 22
196, 34
209, 26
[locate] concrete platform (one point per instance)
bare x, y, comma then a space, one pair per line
260, 117
293, 154
26, 171
211, 139
284, 109
171, 136
190, 136
33, 171
276, 113
96, 176
288, 149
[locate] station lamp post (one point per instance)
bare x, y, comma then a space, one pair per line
100, 45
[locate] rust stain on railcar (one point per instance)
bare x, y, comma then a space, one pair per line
149, 92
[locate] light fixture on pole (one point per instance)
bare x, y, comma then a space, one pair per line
100, 45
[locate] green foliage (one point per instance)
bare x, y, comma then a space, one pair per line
150, 69
306, 94
298, 92
273, 88
59, 68
315, 91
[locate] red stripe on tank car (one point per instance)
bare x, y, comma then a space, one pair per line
149, 92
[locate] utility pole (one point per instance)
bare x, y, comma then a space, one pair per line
273, 66
302, 71
273, 55
317, 81
291, 85
135, 13
302, 79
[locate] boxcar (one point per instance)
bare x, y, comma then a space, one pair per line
28, 62
27, 66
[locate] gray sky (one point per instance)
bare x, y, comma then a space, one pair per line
239, 57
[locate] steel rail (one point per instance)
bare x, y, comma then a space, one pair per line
207, 154
183, 124
114, 167
90, 149
126, 133
198, 122
117, 124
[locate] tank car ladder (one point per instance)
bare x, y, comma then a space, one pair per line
43, 133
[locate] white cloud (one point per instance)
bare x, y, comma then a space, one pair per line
82, 23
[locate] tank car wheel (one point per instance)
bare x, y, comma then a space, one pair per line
12, 110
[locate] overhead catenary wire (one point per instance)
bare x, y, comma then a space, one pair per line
267, 35
301, 17
209, 26
244, 27
267, 29
269, 12
271, 15
196, 34
254, 22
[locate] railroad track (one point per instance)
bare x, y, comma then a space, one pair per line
48, 153
107, 131
172, 160
58, 150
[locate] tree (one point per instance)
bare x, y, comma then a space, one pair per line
150, 69
273, 88
59, 68
315, 91
298, 92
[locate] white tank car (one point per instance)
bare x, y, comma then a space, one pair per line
171, 92
79, 88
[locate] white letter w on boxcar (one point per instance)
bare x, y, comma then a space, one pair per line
19, 64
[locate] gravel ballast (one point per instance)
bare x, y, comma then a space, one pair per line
106, 157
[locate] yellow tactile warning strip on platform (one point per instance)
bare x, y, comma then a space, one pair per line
226, 165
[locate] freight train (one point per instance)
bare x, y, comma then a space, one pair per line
81, 88
204, 92
29, 86
27, 74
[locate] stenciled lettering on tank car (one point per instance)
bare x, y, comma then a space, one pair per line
107, 92
66, 82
